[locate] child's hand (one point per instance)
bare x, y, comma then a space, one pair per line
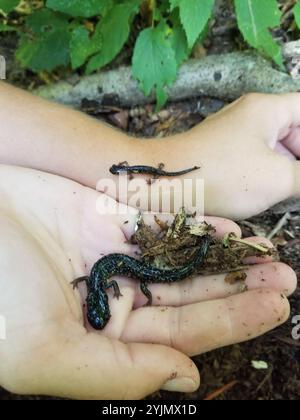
248, 154
52, 234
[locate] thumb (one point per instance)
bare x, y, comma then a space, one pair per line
279, 179
95, 367
297, 179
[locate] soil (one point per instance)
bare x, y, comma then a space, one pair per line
230, 367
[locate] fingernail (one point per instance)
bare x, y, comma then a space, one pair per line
180, 385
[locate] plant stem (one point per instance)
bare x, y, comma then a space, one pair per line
152, 7
252, 245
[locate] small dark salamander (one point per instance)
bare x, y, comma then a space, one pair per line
98, 311
147, 170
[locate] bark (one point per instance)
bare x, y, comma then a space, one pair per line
225, 76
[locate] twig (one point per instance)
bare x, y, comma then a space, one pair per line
258, 247
266, 378
257, 230
288, 341
282, 222
293, 242
288, 6
220, 391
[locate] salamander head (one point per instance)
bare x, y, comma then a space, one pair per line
118, 169
114, 169
98, 312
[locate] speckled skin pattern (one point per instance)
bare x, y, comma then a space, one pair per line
98, 311
148, 170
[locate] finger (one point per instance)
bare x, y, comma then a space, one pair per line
201, 327
283, 150
278, 117
292, 142
223, 226
132, 296
275, 276
91, 366
273, 114
283, 113
296, 191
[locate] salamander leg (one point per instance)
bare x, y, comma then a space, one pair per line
116, 288
147, 293
125, 163
160, 168
79, 280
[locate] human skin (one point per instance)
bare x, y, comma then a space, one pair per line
43, 226
51, 234
246, 152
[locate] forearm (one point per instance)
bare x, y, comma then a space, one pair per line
42, 135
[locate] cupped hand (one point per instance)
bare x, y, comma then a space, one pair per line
51, 233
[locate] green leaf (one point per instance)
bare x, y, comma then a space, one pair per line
174, 3
194, 15
48, 45
82, 46
179, 44
178, 39
44, 54
80, 8
255, 19
8, 5
114, 29
6, 28
297, 13
154, 62
45, 21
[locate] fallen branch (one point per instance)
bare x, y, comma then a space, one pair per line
290, 205
225, 76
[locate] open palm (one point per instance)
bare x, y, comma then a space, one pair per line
51, 233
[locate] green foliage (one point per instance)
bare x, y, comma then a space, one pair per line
7, 28
82, 46
80, 8
46, 45
8, 5
255, 19
179, 44
90, 34
114, 28
154, 63
194, 15
297, 13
